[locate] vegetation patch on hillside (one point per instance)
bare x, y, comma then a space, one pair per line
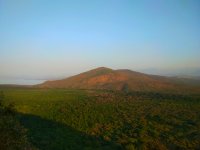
91, 119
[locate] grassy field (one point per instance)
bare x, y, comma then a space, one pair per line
86, 119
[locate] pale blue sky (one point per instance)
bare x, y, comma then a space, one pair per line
46, 39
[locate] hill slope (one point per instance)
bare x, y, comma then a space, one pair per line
105, 78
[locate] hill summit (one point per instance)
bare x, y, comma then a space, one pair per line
109, 79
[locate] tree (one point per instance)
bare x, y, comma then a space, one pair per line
125, 88
1, 98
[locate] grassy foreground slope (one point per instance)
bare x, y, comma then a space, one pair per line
89, 119
12, 134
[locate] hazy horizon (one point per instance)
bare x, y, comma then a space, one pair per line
193, 73
42, 40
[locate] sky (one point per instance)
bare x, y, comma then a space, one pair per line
52, 39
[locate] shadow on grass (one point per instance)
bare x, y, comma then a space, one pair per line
49, 135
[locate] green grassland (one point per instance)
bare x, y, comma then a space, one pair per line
90, 119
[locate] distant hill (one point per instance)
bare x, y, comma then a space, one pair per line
126, 80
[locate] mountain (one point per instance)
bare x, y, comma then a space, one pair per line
126, 80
